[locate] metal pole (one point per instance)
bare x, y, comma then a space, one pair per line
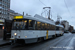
23, 14
49, 14
49, 11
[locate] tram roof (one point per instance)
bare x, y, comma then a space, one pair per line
40, 19
60, 26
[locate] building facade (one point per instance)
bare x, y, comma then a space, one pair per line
65, 24
13, 13
4, 9
71, 28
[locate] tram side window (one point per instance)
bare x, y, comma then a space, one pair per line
24, 24
57, 28
53, 27
42, 26
35, 25
45, 26
48, 26
31, 24
38, 25
62, 28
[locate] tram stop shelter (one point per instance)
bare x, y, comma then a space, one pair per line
7, 29
1, 27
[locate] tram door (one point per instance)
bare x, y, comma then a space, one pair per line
7, 29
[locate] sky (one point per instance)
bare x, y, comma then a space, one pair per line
63, 8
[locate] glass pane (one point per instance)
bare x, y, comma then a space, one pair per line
45, 26
38, 25
19, 24
35, 25
42, 26
30, 23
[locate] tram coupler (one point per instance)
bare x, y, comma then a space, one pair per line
13, 41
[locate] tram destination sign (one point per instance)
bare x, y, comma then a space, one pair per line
18, 17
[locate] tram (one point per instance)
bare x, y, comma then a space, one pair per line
34, 29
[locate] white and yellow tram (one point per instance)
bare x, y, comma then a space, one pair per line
34, 29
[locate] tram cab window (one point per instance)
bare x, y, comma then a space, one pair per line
20, 24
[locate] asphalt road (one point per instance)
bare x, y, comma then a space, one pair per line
65, 42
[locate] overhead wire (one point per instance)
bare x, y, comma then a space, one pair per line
42, 3
45, 10
67, 8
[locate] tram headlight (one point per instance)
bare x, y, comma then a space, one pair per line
15, 34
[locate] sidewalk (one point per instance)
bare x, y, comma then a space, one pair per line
4, 42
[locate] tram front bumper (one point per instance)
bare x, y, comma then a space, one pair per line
15, 40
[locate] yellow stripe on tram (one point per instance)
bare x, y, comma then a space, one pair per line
47, 35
